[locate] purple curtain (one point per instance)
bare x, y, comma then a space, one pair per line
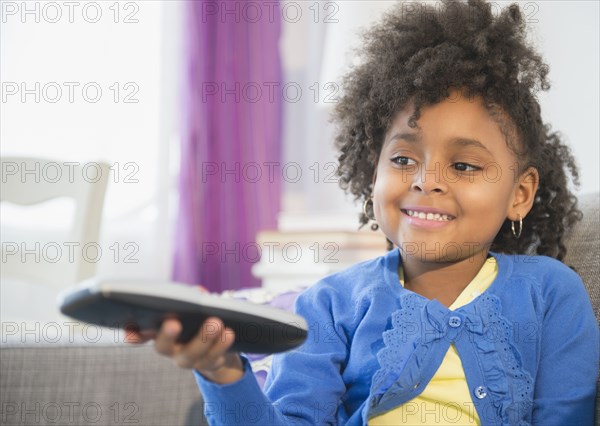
230, 176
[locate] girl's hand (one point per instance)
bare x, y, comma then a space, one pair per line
206, 352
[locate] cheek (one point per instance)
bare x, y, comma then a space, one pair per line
487, 200
379, 199
387, 193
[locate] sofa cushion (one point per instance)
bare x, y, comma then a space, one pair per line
95, 384
583, 254
583, 248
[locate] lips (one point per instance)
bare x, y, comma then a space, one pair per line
428, 214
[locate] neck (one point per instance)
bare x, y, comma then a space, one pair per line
443, 281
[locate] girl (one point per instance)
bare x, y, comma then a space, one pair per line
440, 134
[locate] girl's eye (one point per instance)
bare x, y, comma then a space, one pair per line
464, 167
403, 161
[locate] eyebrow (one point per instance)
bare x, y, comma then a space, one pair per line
466, 142
408, 137
460, 141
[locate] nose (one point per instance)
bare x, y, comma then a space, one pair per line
429, 180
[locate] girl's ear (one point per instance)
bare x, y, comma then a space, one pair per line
524, 195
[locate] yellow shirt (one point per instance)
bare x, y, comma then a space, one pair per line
446, 400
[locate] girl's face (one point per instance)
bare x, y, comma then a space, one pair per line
443, 190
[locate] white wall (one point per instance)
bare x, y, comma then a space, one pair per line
130, 51
569, 38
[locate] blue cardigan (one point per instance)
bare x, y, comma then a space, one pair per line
529, 346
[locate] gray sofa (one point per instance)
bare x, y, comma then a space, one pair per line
124, 384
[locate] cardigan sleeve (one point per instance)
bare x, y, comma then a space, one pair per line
307, 383
239, 403
304, 385
565, 388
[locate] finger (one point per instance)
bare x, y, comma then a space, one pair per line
134, 335
205, 347
166, 340
218, 351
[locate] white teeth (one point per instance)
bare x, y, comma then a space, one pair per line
428, 216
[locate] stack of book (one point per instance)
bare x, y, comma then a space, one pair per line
296, 258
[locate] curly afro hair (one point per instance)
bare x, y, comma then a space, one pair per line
417, 54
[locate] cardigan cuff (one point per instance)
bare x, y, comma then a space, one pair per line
232, 403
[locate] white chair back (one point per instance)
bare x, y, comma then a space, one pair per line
30, 276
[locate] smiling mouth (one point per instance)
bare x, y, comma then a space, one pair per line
437, 217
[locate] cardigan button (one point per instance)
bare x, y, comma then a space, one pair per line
454, 321
480, 392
